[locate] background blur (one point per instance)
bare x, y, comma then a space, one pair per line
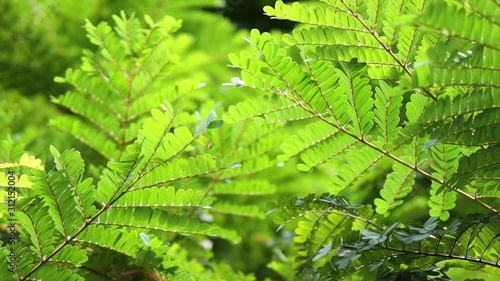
39, 39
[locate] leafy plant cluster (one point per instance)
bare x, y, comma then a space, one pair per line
371, 132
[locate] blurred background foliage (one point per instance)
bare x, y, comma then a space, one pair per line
40, 39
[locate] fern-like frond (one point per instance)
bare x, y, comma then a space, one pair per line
445, 163
446, 120
387, 109
57, 273
472, 50
152, 161
315, 151
398, 184
118, 85
453, 107
88, 135
14, 181
156, 140
313, 15
26, 160
66, 212
318, 218
350, 175
311, 135
154, 219
280, 109
238, 210
369, 30
359, 96
476, 166
478, 129
163, 197
422, 247
59, 199
248, 188
437, 123
40, 228
158, 181
179, 169
128, 243
84, 192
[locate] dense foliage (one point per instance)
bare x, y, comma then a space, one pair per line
363, 145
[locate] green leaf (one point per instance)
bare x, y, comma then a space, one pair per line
167, 197
398, 185
215, 124
205, 124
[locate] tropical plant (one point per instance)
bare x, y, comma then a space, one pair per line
372, 124
403, 93
40, 39
158, 186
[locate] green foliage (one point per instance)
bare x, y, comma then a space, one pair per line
396, 92
373, 128
40, 39
153, 187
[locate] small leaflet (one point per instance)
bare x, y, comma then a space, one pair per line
204, 125
145, 238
